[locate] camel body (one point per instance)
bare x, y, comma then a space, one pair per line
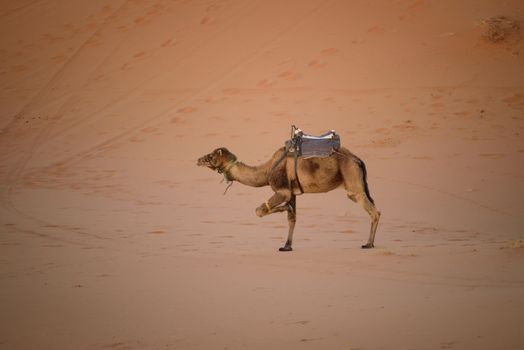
316, 175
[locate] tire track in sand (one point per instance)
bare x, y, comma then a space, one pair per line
102, 146
15, 174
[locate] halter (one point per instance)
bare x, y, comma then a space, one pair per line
225, 171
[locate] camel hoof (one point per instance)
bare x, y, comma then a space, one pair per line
368, 246
286, 248
260, 212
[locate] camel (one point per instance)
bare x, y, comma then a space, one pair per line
315, 175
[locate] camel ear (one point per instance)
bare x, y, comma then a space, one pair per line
219, 152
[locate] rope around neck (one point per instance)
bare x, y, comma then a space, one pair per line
225, 171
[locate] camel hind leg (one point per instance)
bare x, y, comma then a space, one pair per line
355, 182
374, 214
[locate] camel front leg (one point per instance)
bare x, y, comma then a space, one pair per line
272, 205
291, 219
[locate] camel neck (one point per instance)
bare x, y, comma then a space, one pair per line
254, 176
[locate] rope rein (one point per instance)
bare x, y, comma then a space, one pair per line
225, 172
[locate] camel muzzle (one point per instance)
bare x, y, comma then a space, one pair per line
203, 161
206, 161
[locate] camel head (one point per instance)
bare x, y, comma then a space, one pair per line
217, 160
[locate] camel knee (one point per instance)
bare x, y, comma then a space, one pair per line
352, 197
261, 211
374, 215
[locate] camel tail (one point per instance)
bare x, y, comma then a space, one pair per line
365, 179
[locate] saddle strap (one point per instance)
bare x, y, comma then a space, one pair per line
282, 157
291, 143
296, 173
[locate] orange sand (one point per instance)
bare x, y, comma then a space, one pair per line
112, 238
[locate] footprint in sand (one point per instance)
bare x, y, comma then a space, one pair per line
59, 59
140, 54
157, 232
385, 142
168, 183
492, 155
265, 83
303, 340
406, 126
447, 344
187, 110
126, 66
70, 27
176, 120
193, 234
317, 64
330, 51
376, 30
457, 239
51, 226
425, 230
290, 75
106, 9
94, 42
247, 224
347, 231
206, 20
149, 130
383, 131
231, 91
50, 38
121, 345
462, 113
190, 250
168, 43
100, 77
140, 20
136, 139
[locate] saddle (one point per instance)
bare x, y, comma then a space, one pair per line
308, 146
305, 146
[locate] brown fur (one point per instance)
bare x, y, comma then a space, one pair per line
316, 175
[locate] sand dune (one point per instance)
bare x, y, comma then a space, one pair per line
112, 238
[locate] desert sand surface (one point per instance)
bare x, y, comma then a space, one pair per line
112, 238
